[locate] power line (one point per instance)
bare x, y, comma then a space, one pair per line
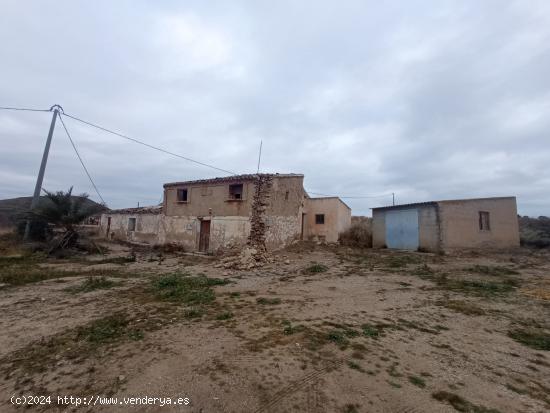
24, 109
61, 113
81, 161
352, 197
148, 145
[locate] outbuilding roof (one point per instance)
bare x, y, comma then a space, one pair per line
230, 178
403, 206
415, 204
320, 198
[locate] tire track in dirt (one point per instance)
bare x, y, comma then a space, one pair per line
407, 409
293, 387
313, 399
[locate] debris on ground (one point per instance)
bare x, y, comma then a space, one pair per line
247, 259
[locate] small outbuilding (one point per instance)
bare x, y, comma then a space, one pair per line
446, 225
324, 219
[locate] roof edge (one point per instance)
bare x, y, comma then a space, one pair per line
243, 177
329, 197
427, 203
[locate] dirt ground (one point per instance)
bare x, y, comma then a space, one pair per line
321, 329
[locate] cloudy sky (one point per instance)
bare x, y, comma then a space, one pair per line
427, 99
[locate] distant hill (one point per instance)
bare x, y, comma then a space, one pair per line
11, 208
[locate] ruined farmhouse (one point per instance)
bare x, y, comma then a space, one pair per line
222, 213
447, 225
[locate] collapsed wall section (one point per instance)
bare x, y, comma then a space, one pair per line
260, 202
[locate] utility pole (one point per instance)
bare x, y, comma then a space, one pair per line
38, 187
259, 157
393, 198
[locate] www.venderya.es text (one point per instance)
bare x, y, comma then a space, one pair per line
97, 400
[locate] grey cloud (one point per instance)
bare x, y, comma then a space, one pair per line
426, 99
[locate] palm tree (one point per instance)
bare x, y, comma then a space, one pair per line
66, 211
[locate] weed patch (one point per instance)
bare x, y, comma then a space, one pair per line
461, 306
423, 271
289, 329
227, 315
28, 273
338, 337
92, 284
186, 289
515, 389
114, 260
417, 381
8, 260
394, 384
392, 371
75, 344
401, 261
482, 288
460, 404
104, 330
351, 408
268, 301
371, 331
485, 288
491, 270
315, 269
535, 338
355, 366
417, 326
193, 312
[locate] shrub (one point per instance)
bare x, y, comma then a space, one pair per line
315, 268
225, 315
358, 235
535, 232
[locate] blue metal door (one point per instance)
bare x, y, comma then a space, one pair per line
402, 229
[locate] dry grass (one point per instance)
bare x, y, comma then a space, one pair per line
32, 273
91, 284
351, 328
74, 344
461, 306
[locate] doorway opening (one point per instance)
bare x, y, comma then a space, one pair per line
204, 236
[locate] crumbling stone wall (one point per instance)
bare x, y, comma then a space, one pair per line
260, 203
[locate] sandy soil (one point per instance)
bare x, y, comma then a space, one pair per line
372, 331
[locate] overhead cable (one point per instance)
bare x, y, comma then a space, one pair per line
81, 161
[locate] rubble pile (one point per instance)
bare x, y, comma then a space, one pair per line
248, 259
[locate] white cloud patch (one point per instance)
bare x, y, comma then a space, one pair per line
185, 45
